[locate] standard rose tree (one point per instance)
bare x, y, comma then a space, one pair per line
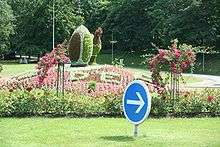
177, 59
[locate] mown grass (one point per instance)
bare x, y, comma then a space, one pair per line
12, 69
108, 132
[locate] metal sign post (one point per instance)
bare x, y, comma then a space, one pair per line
136, 103
135, 130
113, 42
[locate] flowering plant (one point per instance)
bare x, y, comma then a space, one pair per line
178, 60
56, 56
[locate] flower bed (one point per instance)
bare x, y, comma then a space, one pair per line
44, 102
107, 80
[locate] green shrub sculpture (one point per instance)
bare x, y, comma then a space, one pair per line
87, 48
97, 45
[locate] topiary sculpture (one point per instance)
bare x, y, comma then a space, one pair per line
97, 45
80, 47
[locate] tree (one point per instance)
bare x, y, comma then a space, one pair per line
6, 25
129, 23
191, 21
34, 24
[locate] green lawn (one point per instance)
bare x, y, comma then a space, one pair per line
108, 132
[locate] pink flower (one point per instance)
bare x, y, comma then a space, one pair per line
177, 53
161, 53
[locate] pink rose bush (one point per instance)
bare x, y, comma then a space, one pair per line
56, 56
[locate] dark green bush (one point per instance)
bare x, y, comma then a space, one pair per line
46, 103
1, 68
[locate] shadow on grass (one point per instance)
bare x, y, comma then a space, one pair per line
118, 138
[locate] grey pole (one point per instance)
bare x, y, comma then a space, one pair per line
113, 42
53, 25
135, 130
203, 61
112, 49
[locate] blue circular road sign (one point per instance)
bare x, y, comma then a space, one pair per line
136, 102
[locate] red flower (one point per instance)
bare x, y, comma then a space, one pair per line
184, 66
189, 53
173, 67
210, 98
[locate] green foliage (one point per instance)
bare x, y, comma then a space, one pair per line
135, 24
195, 103
129, 23
1, 68
191, 21
38, 102
194, 22
34, 25
92, 86
87, 47
6, 25
45, 102
118, 62
96, 49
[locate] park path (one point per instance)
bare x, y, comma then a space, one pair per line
209, 81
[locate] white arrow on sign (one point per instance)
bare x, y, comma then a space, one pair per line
139, 102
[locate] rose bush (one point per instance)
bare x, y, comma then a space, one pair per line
50, 60
177, 60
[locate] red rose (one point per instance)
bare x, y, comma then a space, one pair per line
184, 66
210, 98
173, 67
